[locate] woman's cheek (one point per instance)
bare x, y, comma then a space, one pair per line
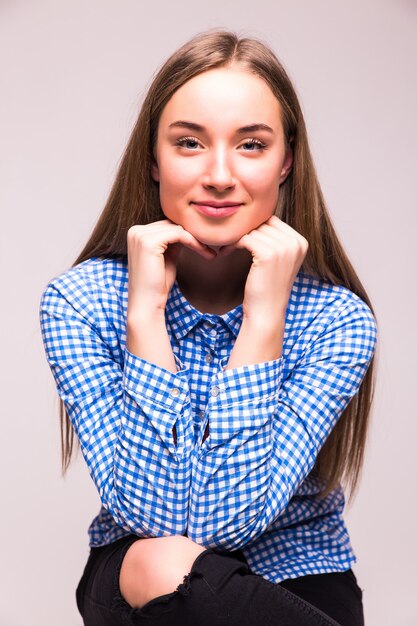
260, 175
263, 189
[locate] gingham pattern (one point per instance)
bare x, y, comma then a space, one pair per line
248, 485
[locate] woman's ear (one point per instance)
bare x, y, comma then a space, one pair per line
155, 170
286, 166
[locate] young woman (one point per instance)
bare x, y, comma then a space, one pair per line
212, 347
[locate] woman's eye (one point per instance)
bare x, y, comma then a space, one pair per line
191, 143
252, 145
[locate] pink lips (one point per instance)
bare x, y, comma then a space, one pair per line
216, 209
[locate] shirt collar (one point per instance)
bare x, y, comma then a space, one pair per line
183, 317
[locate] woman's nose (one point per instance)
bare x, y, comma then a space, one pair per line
218, 174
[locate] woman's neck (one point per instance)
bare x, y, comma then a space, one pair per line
215, 286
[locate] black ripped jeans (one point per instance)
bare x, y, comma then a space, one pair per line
220, 589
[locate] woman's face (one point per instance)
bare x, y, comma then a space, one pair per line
220, 155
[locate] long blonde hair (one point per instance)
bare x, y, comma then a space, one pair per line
134, 199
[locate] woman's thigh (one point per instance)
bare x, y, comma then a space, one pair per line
337, 594
220, 589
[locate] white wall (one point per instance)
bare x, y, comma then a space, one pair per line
72, 74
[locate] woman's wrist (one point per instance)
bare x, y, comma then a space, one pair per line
138, 318
257, 342
148, 339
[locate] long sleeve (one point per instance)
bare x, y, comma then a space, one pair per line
266, 429
123, 412
267, 422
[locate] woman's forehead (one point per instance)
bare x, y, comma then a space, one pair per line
229, 94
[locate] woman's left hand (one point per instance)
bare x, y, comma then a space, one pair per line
277, 254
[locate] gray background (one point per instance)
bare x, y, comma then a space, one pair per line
72, 77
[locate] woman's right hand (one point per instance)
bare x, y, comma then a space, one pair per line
153, 251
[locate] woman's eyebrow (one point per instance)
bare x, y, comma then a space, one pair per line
189, 125
250, 128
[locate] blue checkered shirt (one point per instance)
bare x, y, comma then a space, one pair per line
248, 484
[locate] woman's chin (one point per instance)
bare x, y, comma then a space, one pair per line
216, 244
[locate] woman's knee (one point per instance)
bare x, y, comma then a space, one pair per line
155, 567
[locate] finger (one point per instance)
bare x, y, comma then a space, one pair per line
256, 242
279, 238
274, 224
270, 244
283, 230
189, 241
159, 235
277, 223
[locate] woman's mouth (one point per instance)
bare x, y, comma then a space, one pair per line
216, 209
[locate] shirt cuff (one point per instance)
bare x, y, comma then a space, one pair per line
241, 404
246, 383
161, 395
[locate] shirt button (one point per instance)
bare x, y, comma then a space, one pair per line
208, 358
213, 332
215, 391
175, 392
201, 414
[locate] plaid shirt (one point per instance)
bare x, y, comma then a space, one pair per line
247, 485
